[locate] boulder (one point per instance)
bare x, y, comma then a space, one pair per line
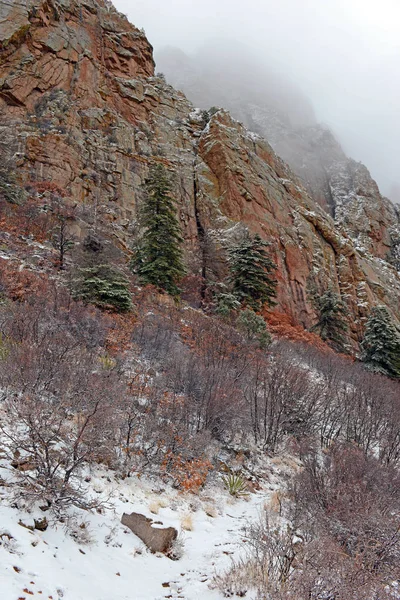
156, 539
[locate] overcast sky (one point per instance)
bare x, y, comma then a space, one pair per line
343, 54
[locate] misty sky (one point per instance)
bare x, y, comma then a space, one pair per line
343, 54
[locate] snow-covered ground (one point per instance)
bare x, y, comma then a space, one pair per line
106, 561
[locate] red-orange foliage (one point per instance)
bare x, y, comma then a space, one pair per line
283, 326
28, 219
21, 285
189, 475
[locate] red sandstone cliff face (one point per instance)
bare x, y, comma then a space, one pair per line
80, 107
74, 46
256, 187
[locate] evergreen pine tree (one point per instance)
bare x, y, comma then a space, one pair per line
251, 272
158, 258
103, 286
381, 343
332, 325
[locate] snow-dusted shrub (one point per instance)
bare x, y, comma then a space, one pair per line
266, 563
347, 506
57, 405
49, 441
341, 539
177, 548
78, 529
237, 580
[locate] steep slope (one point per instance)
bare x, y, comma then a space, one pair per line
111, 560
80, 107
276, 110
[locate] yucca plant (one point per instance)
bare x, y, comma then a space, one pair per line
236, 485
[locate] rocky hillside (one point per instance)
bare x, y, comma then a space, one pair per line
270, 105
80, 107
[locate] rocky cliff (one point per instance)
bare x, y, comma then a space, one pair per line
273, 107
80, 107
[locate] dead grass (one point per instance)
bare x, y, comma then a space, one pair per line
236, 581
163, 502
154, 507
275, 502
210, 511
187, 522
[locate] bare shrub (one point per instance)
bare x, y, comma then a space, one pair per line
265, 565
58, 433
281, 398
57, 402
343, 541
155, 333
347, 505
237, 580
